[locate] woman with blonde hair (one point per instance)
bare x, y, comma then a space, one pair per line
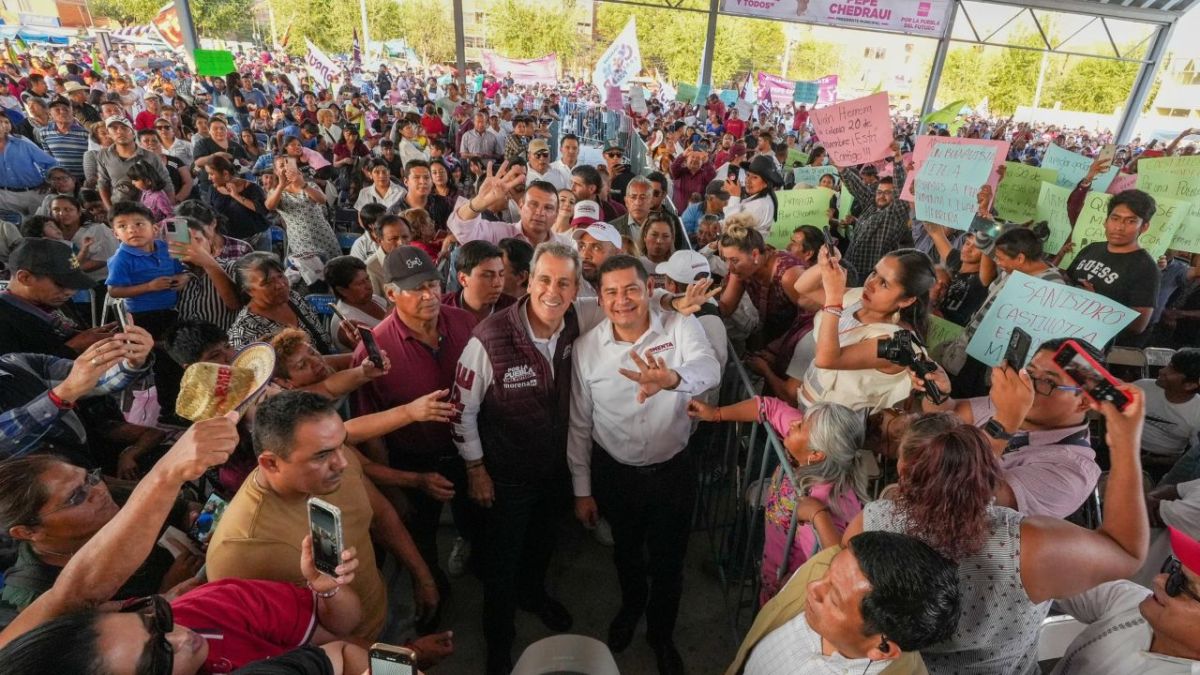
769, 276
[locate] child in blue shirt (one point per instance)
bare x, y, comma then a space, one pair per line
144, 274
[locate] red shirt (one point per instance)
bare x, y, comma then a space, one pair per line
257, 620
342, 151
433, 125
416, 370
736, 127
145, 120
799, 120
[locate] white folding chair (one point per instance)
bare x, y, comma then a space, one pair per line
577, 654
1127, 363
1056, 635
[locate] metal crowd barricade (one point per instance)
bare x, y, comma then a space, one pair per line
597, 126
738, 455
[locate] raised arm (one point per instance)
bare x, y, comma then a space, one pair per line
1119, 547
113, 554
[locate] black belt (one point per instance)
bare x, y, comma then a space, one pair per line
8, 189
644, 469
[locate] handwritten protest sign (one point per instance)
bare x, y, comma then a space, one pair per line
855, 132
1017, 195
796, 208
1046, 310
806, 92
728, 96
1168, 218
702, 93
685, 93
794, 155
845, 202
1072, 167
949, 182
811, 175
941, 332
1089, 226
1052, 208
926, 143
1123, 182
637, 99
1176, 178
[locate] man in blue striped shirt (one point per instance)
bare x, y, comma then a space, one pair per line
38, 392
65, 138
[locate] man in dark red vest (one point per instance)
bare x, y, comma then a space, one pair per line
514, 386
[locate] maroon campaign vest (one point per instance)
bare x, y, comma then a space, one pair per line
525, 412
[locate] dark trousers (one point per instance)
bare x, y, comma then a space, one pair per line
519, 539
167, 373
425, 512
650, 511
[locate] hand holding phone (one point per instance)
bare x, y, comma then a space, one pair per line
830, 242
1097, 383
368, 338
392, 660
325, 525
1017, 352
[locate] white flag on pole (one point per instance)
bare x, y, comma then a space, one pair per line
322, 69
621, 61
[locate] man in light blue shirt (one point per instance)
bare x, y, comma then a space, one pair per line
23, 168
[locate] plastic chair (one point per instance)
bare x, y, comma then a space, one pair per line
575, 654
1056, 635
1127, 363
346, 240
1156, 358
322, 304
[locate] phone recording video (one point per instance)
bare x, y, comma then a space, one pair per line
1095, 380
325, 524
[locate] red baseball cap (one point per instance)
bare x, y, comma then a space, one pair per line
1186, 549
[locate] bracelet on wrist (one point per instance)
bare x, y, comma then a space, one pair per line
326, 595
836, 311
58, 401
474, 464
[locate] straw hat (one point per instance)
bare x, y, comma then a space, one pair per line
211, 389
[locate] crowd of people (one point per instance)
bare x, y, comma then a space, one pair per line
382, 292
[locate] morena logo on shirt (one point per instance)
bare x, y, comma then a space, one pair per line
664, 347
520, 376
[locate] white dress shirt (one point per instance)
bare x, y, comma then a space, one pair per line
604, 404
561, 166
795, 649
369, 195
493, 231
763, 210
363, 247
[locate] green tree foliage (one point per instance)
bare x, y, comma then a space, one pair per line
213, 18
330, 24
520, 30
672, 42
812, 59
1093, 85
963, 75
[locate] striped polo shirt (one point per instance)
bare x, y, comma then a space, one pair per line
67, 148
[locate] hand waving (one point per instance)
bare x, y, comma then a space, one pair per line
652, 375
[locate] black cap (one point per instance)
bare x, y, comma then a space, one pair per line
408, 267
49, 258
764, 167
717, 189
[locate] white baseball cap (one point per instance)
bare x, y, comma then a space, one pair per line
586, 213
683, 266
600, 231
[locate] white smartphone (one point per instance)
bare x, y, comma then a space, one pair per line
325, 524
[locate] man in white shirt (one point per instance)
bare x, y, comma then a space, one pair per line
568, 155
1132, 629
539, 210
540, 168
1172, 410
864, 609
633, 377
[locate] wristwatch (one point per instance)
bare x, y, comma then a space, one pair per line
996, 430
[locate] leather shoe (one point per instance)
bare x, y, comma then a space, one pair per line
668, 658
553, 615
620, 631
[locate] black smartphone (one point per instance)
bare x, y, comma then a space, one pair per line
392, 660
733, 172
368, 339
1018, 348
830, 242
325, 524
1095, 380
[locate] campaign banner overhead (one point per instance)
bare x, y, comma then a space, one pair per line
523, 71
776, 90
916, 17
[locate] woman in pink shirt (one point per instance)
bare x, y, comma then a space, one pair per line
831, 484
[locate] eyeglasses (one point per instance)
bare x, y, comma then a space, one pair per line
1046, 386
155, 612
542, 153
80, 494
614, 154
1176, 581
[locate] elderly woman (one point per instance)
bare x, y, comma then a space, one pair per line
271, 305
301, 208
351, 285
657, 242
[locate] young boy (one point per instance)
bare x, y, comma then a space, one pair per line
1172, 411
148, 279
368, 243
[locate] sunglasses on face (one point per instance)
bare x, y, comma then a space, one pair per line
80, 494
1176, 581
156, 616
542, 153
613, 154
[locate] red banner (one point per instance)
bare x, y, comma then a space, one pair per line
522, 71
166, 22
